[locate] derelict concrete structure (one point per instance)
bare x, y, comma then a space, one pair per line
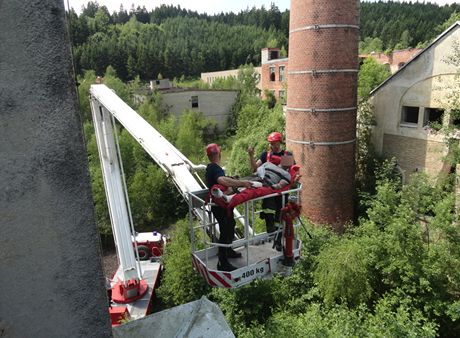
322, 105
50, 270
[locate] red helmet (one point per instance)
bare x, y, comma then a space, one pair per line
212, 148
275, 137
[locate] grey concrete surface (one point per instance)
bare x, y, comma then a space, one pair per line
50, 267
199, 319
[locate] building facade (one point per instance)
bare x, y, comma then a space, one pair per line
214, 104
395, 60
210, 77
273, 73
414, 103
274, 69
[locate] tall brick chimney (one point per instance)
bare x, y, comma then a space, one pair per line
321, 105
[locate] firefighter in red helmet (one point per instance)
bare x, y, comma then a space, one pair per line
216, 175
271, 206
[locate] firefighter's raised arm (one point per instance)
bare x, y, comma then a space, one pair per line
252, 161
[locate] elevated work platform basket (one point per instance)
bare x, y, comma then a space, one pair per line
260, 257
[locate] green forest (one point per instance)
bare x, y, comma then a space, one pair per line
174, 42
395, 272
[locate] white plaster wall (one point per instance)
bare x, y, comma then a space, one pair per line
420, 83
215, 105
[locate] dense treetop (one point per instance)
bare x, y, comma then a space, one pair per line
172, 41
395, 22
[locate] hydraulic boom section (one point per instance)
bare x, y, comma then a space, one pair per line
106, 106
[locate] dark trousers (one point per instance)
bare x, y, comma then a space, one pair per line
271, 214
226, 228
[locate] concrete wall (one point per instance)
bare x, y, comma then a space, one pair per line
210, 77
214, 104
223, 74
425, 83
50, 268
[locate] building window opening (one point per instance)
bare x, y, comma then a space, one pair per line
455, 118
433, 118
401, 64
194, 100
282, 96
409, 115
272, 74
274, 54
282, 76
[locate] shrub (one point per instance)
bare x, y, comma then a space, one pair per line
180, 283
342, 273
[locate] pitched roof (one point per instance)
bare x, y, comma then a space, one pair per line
434, 42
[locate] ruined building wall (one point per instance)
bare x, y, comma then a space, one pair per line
50, 268
321, 106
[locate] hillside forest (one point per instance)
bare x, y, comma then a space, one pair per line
175, 42
395, 272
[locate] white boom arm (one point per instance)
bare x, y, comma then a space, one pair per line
115, 190
105, 106
168, 157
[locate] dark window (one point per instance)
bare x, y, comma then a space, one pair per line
401, 64
455, 118
157, 82
433, 117
272, 74
274, 54
409, 114
282, 78
282, 96
194, 101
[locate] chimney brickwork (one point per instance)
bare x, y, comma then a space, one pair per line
321, 106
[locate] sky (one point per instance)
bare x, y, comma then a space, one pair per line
208, 6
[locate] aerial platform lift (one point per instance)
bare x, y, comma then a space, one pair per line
261, 256
134, 280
